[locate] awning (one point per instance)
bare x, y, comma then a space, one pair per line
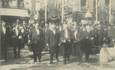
14, 12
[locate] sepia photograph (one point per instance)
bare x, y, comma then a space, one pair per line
57, 34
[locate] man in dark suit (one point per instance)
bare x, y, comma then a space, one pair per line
85, 47
0, 41
4, 41
41, 43
57, 40
66, 50
34, 43
37, 42
52, 43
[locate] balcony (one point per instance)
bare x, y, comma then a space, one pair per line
14, 12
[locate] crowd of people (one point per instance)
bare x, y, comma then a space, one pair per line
86, 38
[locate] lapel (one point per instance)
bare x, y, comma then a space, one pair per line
3, 29
17, 30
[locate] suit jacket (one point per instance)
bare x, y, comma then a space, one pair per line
57, 37
34, 36
51, 39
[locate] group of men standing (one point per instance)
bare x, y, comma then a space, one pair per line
12, 35
67, 37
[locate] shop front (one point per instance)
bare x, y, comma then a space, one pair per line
10, 12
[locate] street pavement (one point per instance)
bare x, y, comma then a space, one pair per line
56, 66
26, 63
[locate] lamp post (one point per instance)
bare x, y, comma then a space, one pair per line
88, 13
96, 10
0, 37
33, 9
45, 6
110, 11
62, 9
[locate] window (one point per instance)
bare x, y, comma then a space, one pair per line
107, 2
5, 3
83, 3
0, 3
13, 3
20, 3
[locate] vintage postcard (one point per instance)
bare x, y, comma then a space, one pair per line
57, 34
